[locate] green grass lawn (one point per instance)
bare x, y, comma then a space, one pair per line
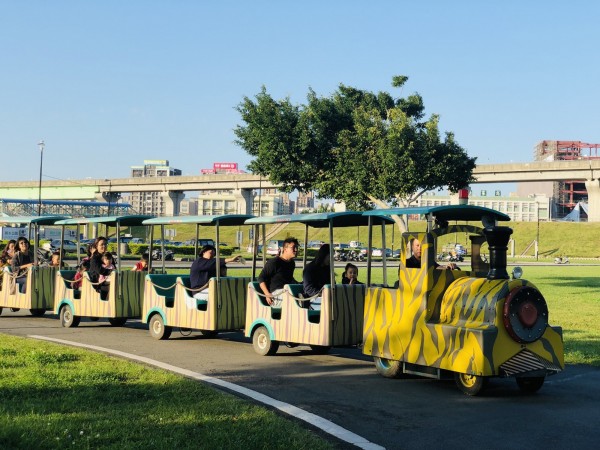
54, 397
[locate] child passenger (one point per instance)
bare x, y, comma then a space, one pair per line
78, 276
142, 264
108, 263
350, 275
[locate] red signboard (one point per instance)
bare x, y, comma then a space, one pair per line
222, 166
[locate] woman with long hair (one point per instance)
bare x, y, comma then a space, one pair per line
21, 262
316, 275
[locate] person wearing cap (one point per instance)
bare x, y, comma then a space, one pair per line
204, 268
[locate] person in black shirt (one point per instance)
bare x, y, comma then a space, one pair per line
204, 268
414, 262
21, 262
278, 272
316, 275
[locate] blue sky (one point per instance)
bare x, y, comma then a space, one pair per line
109, 84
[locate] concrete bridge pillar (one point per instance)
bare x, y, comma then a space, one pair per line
245, 200
172, 201
593, 190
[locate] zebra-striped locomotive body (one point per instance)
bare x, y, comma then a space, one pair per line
473, 324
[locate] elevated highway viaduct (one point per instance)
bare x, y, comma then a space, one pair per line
173, 188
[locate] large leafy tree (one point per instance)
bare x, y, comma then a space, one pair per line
354, 146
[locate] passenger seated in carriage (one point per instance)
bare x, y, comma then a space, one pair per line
315, 276
142, 264
204, 268
350, 275
21, 262
278, 272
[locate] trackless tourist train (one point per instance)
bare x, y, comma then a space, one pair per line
471, 324
169, 299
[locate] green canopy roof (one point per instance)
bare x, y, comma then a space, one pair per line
126, 221
447, 213
321, 220
225, 219
37, 220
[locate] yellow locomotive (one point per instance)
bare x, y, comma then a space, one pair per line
473, 324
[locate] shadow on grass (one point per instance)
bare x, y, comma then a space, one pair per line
564, 281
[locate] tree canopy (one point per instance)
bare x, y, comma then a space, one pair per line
353, 146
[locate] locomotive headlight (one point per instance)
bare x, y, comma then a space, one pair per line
517, 273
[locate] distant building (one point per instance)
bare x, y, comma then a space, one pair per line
151, 202
564, 194
188, 207
305, 201
519, 209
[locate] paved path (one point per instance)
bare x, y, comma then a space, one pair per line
343, 388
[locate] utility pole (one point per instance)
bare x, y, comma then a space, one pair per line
41, 146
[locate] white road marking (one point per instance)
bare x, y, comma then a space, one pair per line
314, 420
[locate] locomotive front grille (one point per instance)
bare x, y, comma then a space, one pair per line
527, 361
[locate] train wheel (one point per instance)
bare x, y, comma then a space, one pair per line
37, 312
0, 311
530, 384
389, 368
320, 349
15, 309
117, 321
470, 384
67, 319
262, 343
158, 329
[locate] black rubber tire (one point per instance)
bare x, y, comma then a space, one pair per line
388, 368
67, 319
262, 343
320, 349
158, 329
470, 384
530, 385
39, 312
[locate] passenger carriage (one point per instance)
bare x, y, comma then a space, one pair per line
124, 299
472, 324
39, 286
169, 299
338, 322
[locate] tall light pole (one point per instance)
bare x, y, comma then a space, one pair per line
41, 146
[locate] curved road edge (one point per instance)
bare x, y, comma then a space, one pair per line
298, 413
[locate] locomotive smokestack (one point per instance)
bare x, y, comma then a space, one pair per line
497, 238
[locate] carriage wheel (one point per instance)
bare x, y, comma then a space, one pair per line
67, 319
117, 321
470, 384
37, 312
530, 384
320, 349
262, 343
388, 368
158, 329
15, 309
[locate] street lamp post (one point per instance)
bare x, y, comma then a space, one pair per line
41, 146
109, 195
